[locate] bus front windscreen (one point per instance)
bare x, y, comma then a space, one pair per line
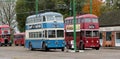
51, 34
92, 33
88, 33
58, 17
95, 34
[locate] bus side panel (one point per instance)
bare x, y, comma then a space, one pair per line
55, 44
35, 43
52, 25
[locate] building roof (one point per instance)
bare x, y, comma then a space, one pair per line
110, 19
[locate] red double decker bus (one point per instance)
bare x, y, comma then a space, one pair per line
5, 35
19, 39
87, 32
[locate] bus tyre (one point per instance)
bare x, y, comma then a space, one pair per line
5, 45
1, 44
82, 46
10, 44
62, 49
97, 48
22, 44
30, 47
44, 47
16, 44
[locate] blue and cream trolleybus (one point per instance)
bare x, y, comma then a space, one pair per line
45, 31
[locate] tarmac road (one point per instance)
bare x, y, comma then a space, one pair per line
23, 53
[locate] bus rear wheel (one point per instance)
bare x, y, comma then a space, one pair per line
81, 46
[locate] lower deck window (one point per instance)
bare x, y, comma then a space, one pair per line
60, 33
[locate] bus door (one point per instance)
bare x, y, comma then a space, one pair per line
69, 39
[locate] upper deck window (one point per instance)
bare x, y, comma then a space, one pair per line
50, 18
87, 20
95, 20
5, 28
58, 17
78, 20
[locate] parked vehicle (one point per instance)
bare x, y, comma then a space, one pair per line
19, 39
5, 35
87, 32
45, 31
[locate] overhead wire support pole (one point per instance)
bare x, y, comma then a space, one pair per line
90, 6
70, 8
36, 6
74, 16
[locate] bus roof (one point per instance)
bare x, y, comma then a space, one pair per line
83, 16
45, 13
4, 26
23, 33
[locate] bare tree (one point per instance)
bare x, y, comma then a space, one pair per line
7, 13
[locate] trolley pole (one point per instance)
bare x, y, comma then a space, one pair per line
70, 9
36, 6
74, 14
90, 6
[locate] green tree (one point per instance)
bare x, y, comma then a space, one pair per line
24, 8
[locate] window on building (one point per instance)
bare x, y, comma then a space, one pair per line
117, 35
108, 36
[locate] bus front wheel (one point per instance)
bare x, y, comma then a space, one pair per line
44, 47
81, 46
30, 47
97, 48
62, 49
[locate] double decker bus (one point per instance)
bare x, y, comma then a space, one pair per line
5, 35
45, 31
19, 39
87, 32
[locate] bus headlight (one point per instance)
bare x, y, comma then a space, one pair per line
97, 41
86, 41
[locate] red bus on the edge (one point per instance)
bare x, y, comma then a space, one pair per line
87, 32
